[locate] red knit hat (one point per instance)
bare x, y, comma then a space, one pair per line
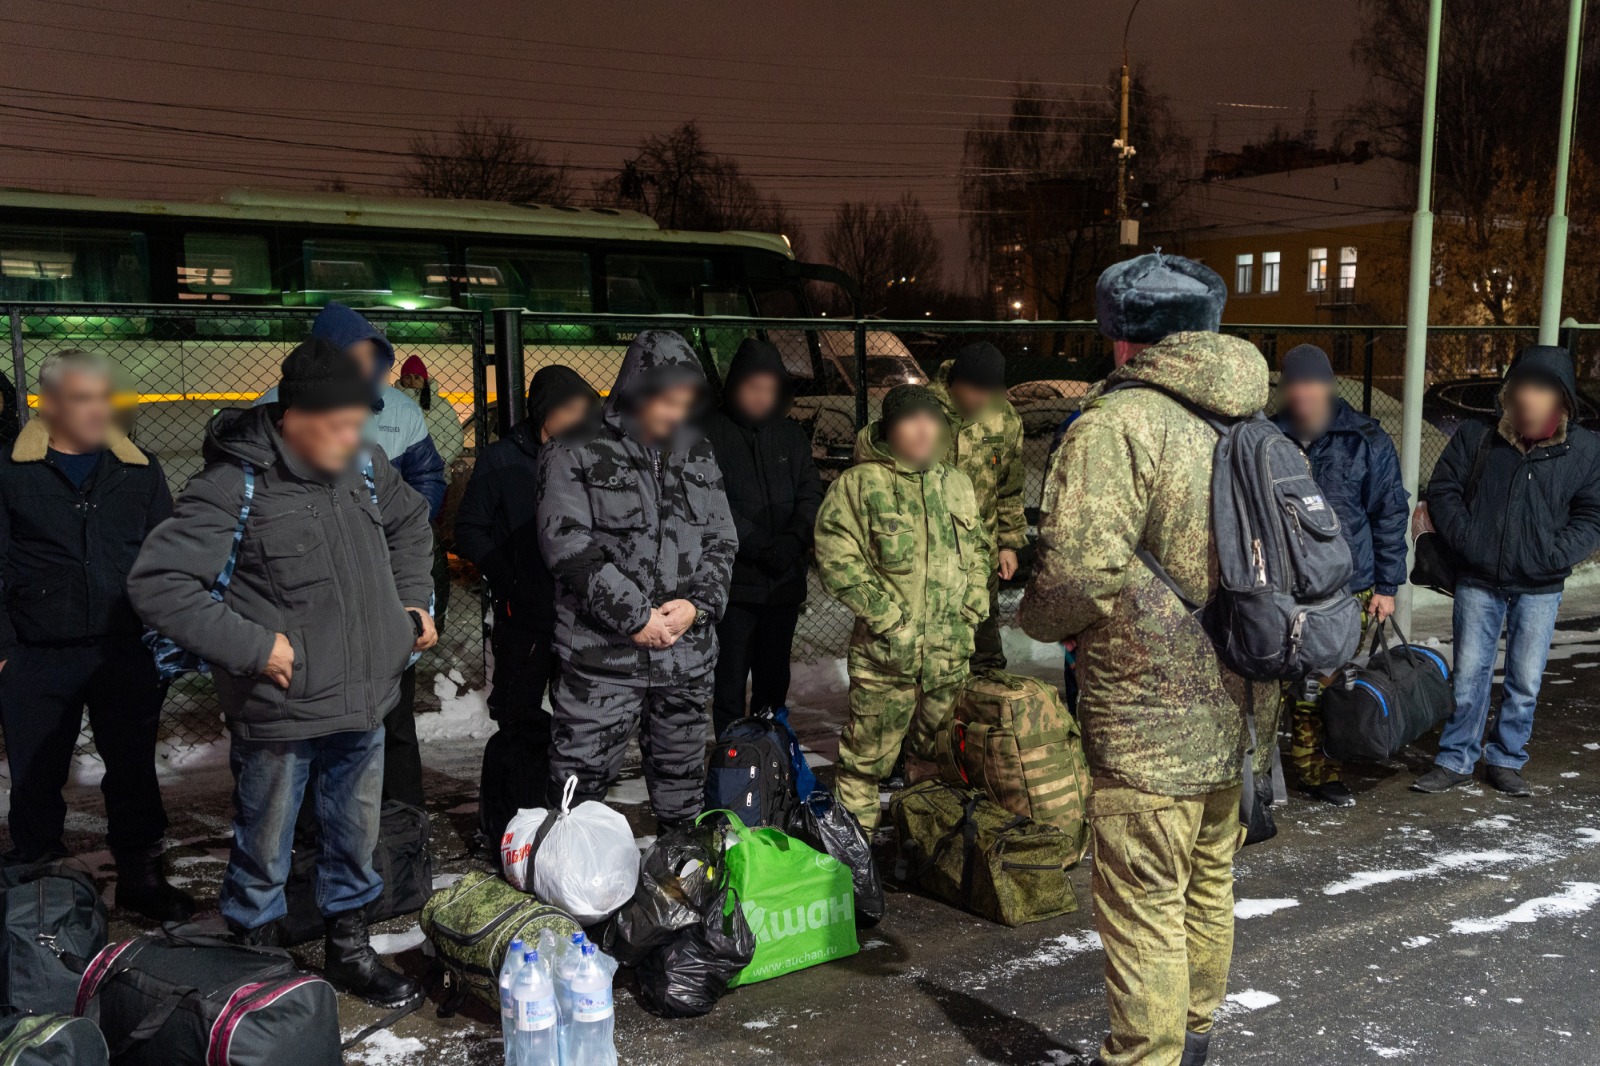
414, 365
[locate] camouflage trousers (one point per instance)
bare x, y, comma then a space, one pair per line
884, 713
1163, 906
1300, 706
591, 721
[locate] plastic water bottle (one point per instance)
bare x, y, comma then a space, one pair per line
534, 1042
590, 1041
508, 1006
566, 966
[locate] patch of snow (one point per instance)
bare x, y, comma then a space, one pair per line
395, 943
759, 1024
1416, 941
1588, 835
1444, 863
1259, 908
1575, 897
1053, 952
384, 1048
814, 760
1593, 746
1570, 773
873, 945
461, 715
1388, 1052
1251, 999
632, 790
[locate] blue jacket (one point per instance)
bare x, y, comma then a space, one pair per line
1359, 471
397, 423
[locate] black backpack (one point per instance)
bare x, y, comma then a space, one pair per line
55, 922
51, 1040
1282, 608
1370, 712
401, 859
752, 772
178, 997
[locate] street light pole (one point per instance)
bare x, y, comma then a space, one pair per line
1127, 229
1555, 241
1416, 365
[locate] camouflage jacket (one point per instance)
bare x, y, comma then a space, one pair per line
625, 527
988, 449
1134, 471
904, 549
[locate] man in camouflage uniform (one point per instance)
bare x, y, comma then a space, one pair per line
985, 435
635, 528
899, 542
1162, 723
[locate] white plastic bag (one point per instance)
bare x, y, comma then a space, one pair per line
588, 864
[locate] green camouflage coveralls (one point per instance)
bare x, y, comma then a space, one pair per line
1162, 722
905, 550
988, 449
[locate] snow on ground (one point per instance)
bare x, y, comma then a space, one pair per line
384, 1048
1445, 862
1574, 898
463, 713
395, 943
1249, 1000
1259, 908
1053, 952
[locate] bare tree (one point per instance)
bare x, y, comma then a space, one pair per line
485, 158
891, 251
677, 180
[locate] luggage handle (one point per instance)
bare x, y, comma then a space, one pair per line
1379, 640
551, 817
152, 1022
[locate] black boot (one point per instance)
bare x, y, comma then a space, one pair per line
142, 887
352, 966
1196, 1047
262, 936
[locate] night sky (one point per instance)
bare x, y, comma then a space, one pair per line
821, 101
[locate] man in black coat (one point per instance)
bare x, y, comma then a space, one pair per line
76, 500
1518, 505
496, 528
774, 490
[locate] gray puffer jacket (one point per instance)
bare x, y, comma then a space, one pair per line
319, 563
625, 527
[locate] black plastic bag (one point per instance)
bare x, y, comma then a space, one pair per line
678, 879
686, 977
828, 827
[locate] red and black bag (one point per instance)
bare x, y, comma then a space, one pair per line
181, 998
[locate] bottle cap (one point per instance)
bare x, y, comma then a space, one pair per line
532, 956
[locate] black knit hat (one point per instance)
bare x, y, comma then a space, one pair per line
981, 364
1150, 297
903, 400
1305, 362
318, 376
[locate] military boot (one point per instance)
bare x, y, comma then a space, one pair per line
143, 888
270, 935
352, 966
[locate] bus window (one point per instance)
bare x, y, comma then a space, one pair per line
376, 274
220, 266
654, 284
46, 264
537, 280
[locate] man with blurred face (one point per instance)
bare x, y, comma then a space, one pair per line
76, 499
1518, 506
327, 599
901, 543
1355, 465
774, 490
634, 524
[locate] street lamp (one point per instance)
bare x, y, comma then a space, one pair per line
1127, 228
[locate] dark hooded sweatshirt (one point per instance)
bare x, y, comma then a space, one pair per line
625, 527
496, 525
319, 562
774, 489
1534, 512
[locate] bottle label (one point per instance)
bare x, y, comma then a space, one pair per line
593, 1005
508, 1006
535, 1014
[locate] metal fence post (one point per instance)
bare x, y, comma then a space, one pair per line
19, 366
1366, 372
480, 388
510, 391
861, 374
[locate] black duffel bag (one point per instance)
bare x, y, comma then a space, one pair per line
178, 997
401, 860
52, 922
1370, 712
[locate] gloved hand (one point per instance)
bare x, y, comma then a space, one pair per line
782, 555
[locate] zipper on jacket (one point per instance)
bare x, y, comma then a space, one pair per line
362, 575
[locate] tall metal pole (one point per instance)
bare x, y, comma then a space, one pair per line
1416, 368
1555, 240
1127, 231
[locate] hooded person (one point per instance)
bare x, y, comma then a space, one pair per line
774, 490
1163, 726
444, 426
634, 524
497, 530
1517, 503
398, 426
900, 542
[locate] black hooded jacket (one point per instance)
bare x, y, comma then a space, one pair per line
773, 485
1534, 511
496, 525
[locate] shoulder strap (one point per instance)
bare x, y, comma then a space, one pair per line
369, 474
219, 587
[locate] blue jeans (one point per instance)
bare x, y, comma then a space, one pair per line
1529, 622
270, 778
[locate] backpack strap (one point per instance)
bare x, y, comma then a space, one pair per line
369, 474
219, 587
1209, 418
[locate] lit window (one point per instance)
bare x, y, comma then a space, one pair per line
1347, 268
1317, 271
1271, 263
1244, 271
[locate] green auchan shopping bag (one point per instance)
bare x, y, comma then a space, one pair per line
800, 903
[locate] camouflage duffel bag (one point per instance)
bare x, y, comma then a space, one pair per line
960, 847
1013, 737
472, 923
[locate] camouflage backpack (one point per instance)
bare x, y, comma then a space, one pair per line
1013, 737
472, 923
